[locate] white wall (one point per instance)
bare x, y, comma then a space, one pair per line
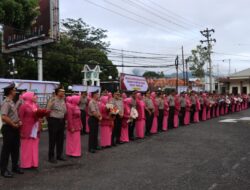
237, 84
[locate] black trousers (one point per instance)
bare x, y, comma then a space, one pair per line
93, 132
116, 133
193, 107
160, 119
131, 129
200, 113
149, 121
182, 115
83, 118
10, 147
56, 137
171, 117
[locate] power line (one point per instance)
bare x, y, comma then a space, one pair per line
127, 17
171, 12
168, 15
146, 53
145, 18
144, 7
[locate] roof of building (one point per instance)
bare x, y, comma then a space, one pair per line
244, 73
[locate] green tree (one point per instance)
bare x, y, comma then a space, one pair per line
18, 14
198, 59
152, 74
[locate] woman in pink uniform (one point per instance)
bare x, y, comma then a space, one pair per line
105, 124
177, 110
188, 108
154, 128
140, 121
74, 126
197, 109
166, 114
124, 132
204, 109
29, 132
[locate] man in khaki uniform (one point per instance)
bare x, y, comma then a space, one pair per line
11, 134
93, 121
116, 134
56, 125
149, 112
171, 109
83, 105
132, 124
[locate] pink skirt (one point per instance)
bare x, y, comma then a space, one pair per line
87, 125
140, 128
226, 110
154, 125
105, 135
196, 117
165, 123
176, 120
29, 154
73, 144
204, 114
187, 118
209, 114
124, 132
218, 111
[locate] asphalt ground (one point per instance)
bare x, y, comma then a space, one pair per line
208, 155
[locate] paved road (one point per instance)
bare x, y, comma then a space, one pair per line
209, 155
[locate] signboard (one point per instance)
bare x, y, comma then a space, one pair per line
44, 30
81, 88
132, 82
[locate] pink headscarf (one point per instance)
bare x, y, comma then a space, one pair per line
124, 96
75, 100
104, 99
28, 97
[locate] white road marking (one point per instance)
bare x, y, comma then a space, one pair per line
213, 186
235, 166
228, 121
245, 119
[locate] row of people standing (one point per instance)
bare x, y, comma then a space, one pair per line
119, 118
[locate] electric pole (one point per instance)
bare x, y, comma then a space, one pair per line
122, 63
183, 64
177, 73
187, 79
207, 34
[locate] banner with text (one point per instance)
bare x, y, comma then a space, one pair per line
131, 83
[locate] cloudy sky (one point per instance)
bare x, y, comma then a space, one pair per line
163, 26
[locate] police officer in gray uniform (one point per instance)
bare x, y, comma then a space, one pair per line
116, 134
183, 107
171, 109
93, 121
149, 112
132, 124
83, 104
11, 133
56, 125
193, 107
160, 100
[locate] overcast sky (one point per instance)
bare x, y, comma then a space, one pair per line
165, 25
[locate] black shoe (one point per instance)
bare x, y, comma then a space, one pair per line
92, 151
17, 171
132, 138
61, 159
52, 161
7, 174
98, 148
